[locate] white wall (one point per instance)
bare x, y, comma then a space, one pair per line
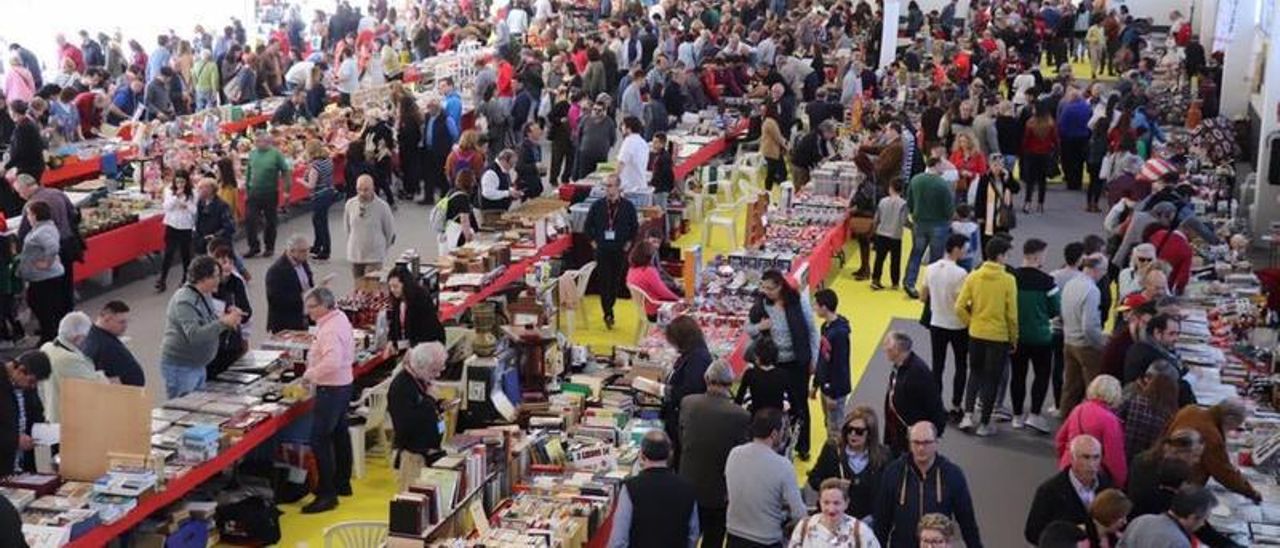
33, 23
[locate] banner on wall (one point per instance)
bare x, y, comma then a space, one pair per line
889, 36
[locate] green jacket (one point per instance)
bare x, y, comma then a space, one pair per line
266, 168
205, 74
1038, 302
930, 199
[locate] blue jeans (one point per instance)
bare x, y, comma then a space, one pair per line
206, 99
330, 441
320, 203
180, 380
925, 235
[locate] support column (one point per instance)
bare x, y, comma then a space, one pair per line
1235, 35
1266, 208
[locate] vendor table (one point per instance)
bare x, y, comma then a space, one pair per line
108, 250
180, 486
245, 123
711, 150
514, 272
76, 169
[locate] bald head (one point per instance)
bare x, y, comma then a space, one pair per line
1084, 443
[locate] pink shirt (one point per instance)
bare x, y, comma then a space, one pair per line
19, 84
1094, 418
648, 280
333, 352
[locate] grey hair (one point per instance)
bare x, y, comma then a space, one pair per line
27, 180
901, 340
297, 241
324, 297
1233, 407
1078, 441
508, 155
74, 326
424, 355
1162, 368
719, 373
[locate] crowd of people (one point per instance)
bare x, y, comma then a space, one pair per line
945, 137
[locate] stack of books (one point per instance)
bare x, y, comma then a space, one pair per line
126, 482
199, 443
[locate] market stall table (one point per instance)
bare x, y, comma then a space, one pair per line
107, 250
514, 272
180, 486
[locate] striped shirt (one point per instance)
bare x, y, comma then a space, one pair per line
324, 174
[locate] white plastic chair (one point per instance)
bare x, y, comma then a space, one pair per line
373, 407
356, 534
581, 277
749, 167
724, 216
639, 299
696, 199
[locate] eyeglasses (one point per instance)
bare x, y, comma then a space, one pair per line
923, 443
1143, 259
858, 430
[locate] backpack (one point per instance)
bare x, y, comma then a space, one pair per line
439, 213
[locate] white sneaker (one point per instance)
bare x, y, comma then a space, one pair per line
1037, 423
966, 423
1002, 414
986, 430
1017, 422
1051, 410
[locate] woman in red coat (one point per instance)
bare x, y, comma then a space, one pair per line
969, 161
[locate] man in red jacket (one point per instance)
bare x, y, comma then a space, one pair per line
1172, 246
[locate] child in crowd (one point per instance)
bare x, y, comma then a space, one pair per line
763, 384
964, 225
889, 221
831, 377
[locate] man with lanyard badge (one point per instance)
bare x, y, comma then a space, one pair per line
611, 224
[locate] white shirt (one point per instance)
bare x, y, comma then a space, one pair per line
179, 212
943, 279
348, 76
1022, 83
633, 161
813, 533
366, 23
517, 21
298, 73
542, 10
489, 186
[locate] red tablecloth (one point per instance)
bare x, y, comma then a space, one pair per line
245, 123
182, 485
116, 247
73, 171
514, 272
710, 150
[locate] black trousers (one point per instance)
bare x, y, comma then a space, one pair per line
1035, 171
893, 248
1074, 152
611, 263
330, 440
412, 164
1096, 184
1059, 365
48, 303
176, 242
561, 161
958, 340
261, 209
711, 522
1040, 357
433, 178
988, 368
864, 253
775, 172
798, 395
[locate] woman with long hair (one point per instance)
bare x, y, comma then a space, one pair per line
687, 374
408, 138
467, 155
319, 178
179, 225
854, 454
644, 276
1039, 140
413, 317
969, 162
228, 188
1149, 405
781, 315
773, 147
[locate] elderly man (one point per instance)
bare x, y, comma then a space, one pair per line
370, 228
415, 411
1067, 495
193, 328
912, 396
920, 483
266, 168
439, 133
1213, 423
288, 279
108, 352
67, 361
20, 408
329, 372
64, 215
497, 186
763, 494
656, 507
711, 425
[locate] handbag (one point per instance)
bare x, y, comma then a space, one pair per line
232, 89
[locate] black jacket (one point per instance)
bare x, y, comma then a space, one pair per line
915, 398
863, 488
906, 495
625, 224
288, 113
662, 504
9, 430
10, 525
797, 324
284, 296
214, 219
664, 174
711, 425
112, 357
820, 111
26, 149
810, 150
422, 322
1056, 500
832, 373
414, 415
686, 380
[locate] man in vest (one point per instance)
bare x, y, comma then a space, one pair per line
655, 507
496, 192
